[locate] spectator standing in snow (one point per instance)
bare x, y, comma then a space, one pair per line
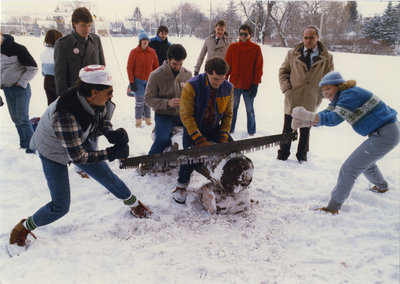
141, 62
160, 44
245, 62
62, 137
18, 68
206, 113
215, 45
47, 59
299, 75
163, 93
369, 116
76, 50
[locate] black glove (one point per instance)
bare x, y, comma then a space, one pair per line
196, 73
253, 91
133, 87
117, 152
118, 136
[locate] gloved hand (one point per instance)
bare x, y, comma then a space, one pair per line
202, 142
118, 136
303, 114
196, 73
117, 152
133, 87
253, 91
297, 123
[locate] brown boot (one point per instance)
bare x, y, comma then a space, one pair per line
142, 211
138, 123
148, 120
19, 234
378, 190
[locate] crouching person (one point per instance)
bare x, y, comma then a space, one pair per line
62, 136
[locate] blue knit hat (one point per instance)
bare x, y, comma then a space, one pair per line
332, 78
143, 35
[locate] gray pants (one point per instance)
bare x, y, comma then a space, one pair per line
363, 160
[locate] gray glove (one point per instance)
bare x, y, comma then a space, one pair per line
297, 123
303, 114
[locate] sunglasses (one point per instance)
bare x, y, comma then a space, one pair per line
244, 34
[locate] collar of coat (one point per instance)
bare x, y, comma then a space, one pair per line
298, 52
77, 105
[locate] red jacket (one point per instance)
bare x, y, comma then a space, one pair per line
245, 64
141, 63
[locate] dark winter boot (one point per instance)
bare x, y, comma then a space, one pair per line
19, 234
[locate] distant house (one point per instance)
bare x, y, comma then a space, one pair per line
44, 26
13, 29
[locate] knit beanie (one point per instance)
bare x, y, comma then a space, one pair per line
332, 78
143, 35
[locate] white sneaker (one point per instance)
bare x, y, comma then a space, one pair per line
179, 195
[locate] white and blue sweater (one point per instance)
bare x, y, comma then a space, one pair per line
47, 59
364, 111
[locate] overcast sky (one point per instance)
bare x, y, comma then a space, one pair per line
112, 9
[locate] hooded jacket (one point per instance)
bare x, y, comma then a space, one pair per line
161, 48
17, 64
299, 84
71, 53
65, 127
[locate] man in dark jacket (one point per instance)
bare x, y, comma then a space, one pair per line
160, 44
18, 68
62, 137
76, 50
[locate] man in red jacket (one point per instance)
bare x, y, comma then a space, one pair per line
245, 62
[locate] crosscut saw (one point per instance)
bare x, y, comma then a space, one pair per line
203, 154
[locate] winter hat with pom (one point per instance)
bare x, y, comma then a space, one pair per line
332, 78
143, 35
96, 74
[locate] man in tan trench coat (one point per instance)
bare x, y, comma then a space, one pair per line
299, 75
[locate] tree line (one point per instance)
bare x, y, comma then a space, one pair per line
277, 23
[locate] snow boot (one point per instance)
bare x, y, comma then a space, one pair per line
18, 236
142, 211
138, 123
378, 190
179, 195
148, 120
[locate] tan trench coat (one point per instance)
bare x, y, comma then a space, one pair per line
299, 85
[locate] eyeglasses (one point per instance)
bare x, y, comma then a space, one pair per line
244, 34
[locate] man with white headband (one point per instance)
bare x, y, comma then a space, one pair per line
62, 137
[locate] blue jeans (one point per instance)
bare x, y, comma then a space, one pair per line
141, 109
185, 171
18, 100
363, 160
58, 182
164, 125
249, 103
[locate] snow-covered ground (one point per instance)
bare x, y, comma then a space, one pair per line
281, 239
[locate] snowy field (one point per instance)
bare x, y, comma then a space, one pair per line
281, 239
